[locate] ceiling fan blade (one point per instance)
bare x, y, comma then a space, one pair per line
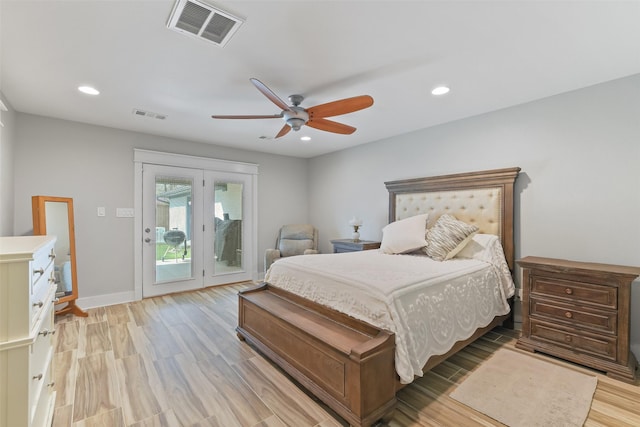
285, 130
343, 106
331, 126
269, 94
274, 116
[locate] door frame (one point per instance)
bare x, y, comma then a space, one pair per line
141, 157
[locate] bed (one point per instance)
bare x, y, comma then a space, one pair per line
347, 326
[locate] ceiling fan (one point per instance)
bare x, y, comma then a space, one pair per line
315, 117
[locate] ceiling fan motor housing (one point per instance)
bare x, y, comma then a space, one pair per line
296, 117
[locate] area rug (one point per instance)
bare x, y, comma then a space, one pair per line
522, 391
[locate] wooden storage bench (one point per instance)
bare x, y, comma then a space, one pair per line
346, 363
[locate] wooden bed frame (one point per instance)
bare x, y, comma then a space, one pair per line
349, 364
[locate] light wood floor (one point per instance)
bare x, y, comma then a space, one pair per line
176, 361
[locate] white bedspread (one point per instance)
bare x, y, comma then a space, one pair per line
429, 305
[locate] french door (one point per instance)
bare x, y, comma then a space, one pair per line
227, 207
172, 229
197, 228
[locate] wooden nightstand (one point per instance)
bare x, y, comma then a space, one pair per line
348, 245
580, 312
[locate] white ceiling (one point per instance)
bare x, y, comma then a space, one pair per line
493, 54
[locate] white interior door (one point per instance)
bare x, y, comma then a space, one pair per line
228, 210
172, 227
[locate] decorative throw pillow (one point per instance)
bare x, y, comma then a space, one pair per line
405, 235
447, 237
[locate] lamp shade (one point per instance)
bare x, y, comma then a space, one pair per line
355, 221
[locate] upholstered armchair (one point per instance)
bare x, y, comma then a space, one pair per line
293, 239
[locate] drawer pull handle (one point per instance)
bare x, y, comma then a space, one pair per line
568, 315
40, 271
52, 280
46, 332
51, 384
568, 291
52, 255
38, 304
37, 377
567, 338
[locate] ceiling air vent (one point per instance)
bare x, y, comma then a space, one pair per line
197, 19
143, 113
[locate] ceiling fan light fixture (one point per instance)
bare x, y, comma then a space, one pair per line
440, 90
296, 123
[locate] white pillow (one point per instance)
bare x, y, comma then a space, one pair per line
480, 247
405, 235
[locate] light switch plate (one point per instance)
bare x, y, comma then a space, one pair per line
124, 212
102, 211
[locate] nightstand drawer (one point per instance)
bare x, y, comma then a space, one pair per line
603, 347
348, 245
575, 292
594, 320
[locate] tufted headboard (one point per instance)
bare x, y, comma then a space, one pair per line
484, 199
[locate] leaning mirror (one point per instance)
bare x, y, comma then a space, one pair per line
54, 216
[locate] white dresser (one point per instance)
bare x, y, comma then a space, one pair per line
27, 292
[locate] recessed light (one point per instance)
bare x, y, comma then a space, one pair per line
440, 90
89, 90
305, 138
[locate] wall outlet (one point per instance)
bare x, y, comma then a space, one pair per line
124, 212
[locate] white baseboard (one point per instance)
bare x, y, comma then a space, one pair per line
107, 299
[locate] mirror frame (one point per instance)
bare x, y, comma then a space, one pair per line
38, 204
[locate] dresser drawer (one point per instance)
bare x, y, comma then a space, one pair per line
43, 343
575, 292
41, 296
603, 347
41, 397
42, 411
41, 354
578, 317
43, 259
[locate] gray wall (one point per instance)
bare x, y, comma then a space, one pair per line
7, 142
578, 195
94, 166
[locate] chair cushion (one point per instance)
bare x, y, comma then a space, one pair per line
295, 239
297, 232
290, 247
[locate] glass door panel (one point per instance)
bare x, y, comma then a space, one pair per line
173, 228
228, 226
171, 234
227, 259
